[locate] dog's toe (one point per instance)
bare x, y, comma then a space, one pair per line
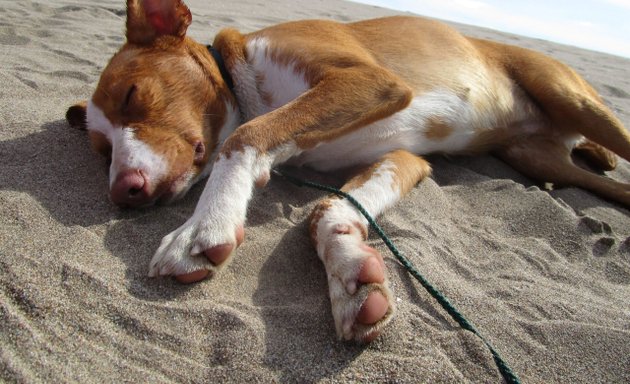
219, 254
193, 277
373, 309
372, 270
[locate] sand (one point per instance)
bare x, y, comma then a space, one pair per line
545, 276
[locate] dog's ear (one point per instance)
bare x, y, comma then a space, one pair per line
76, 115
149, 19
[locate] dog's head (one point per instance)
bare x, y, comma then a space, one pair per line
159, 107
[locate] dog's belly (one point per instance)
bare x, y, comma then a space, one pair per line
436, 122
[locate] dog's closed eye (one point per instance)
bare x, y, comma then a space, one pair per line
133, 107
130, 93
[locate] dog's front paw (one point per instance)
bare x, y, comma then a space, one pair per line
359, 293
194, 251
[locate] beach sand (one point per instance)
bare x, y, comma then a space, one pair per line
544, 276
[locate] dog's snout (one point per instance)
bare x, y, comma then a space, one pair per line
131, 189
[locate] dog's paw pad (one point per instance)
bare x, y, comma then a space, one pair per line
219, 254
193, 277
185, 255
240, 235
365, 313
373, 309
372, 271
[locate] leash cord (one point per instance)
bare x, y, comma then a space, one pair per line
507, 373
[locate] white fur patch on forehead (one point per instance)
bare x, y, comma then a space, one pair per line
128, 152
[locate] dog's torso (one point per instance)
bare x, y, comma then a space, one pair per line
463, 101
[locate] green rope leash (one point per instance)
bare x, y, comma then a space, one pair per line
507, 373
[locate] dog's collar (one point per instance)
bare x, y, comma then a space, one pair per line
221, 64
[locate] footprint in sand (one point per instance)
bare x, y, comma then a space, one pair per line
603, 246
603, 230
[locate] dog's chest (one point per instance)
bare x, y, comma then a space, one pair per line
271, 84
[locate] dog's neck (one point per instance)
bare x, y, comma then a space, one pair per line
231, 45
218, 59
207, 56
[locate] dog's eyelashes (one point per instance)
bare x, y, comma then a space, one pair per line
134, 104
129, 95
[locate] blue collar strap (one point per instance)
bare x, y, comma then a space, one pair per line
221, 64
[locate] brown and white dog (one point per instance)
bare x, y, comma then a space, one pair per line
326, 95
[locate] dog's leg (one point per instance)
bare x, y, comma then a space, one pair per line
573, 108
596, 155
359, 294
547, 159
572, 104
207, 240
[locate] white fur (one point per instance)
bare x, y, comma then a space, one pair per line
375, 195
127, 151
282, 82
403, 130
232, 121
249, 101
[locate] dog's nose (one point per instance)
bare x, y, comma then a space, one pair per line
131, 189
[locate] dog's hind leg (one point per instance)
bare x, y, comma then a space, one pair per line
570, 103
583, 111
549, 160
595, 155
573, 108
361, 300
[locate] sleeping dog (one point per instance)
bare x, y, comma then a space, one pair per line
374, 94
